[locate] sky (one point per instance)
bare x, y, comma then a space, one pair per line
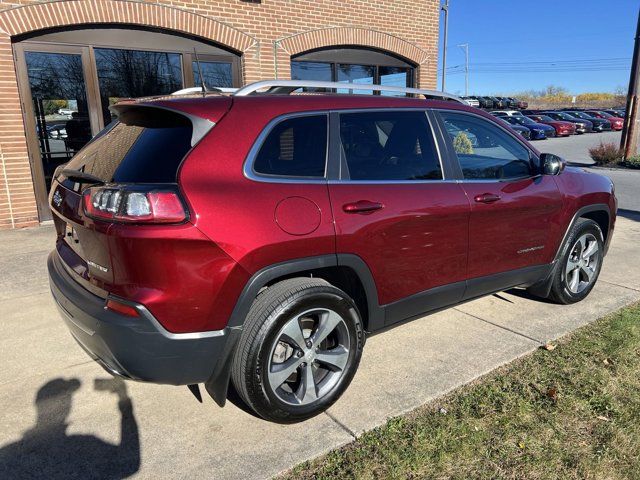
517, 45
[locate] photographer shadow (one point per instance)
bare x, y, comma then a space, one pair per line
47, 451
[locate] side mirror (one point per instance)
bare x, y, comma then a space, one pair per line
551, 164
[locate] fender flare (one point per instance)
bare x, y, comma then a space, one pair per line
218, 383
543, 287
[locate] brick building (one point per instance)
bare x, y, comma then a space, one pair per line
63, 62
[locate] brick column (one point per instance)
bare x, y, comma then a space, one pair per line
17, 199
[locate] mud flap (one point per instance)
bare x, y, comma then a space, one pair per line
218, 384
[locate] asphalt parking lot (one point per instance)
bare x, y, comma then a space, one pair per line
575, 149
62, 417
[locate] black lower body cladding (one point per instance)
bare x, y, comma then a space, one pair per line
136, 348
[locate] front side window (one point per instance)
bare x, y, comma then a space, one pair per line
388, 145
484, 150
296, 147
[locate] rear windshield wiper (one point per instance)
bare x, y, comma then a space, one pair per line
81, 177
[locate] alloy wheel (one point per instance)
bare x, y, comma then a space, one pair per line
309, 356
582, 263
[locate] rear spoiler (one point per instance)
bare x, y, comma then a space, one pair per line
140, 113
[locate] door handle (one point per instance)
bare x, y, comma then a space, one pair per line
487, 198
362, 206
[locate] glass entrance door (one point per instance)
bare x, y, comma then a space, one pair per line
60, 117
59, 107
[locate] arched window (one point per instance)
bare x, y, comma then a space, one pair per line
353, 65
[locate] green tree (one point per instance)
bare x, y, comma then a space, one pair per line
462, 144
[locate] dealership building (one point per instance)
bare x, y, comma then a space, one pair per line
63, 63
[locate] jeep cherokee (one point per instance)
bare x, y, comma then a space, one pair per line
258, 238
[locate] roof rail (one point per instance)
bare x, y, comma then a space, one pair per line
288, 86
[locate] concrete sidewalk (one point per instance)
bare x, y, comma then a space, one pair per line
169, 435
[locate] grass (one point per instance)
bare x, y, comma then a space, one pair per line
571, 413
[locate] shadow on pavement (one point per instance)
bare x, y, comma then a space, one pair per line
630, 214
47, 451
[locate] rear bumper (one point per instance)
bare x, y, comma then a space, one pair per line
135, 348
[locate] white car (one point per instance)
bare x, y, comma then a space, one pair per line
472, 102
507, 113
67, 112
192, 90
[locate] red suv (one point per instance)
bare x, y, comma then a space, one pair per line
616, 122
260, 238
563, 128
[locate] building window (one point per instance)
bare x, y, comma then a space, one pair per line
351, 65
135, 73
216, 74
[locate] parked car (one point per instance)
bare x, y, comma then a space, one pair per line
521, 104
227, 243
506, 103
539, 131
67, 112
516, 127
472, 102
599, 124
616, 122
563, 128
507, 113
486, 102
582, 126
497, 103
616, 113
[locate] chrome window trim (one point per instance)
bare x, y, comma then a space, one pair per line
434, 139
532, 154
250, 173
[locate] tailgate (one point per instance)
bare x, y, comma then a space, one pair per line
146, 146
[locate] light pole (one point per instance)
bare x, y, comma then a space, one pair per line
445, 9
465, 47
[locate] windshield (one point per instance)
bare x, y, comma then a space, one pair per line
583, 115
544, 118
606, 115
524, 120
564, 116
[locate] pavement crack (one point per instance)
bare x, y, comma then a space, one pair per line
341, 425
502, 327
621, 286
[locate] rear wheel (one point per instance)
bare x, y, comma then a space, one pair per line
299, 349
580, 263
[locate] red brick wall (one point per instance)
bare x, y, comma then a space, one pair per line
267, 33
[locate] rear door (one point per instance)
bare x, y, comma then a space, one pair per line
514, 209
395, 207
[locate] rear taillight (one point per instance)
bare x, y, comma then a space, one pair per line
134, 204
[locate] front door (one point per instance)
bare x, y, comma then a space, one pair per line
60, 115
514, 209
394, 208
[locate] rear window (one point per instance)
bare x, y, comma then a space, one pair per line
144, 146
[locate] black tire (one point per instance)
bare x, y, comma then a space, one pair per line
560, 288
271, 312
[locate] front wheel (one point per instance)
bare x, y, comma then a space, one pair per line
299, 349
579, 264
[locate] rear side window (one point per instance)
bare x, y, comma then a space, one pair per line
389, 145
143, 147
484, 150
295, 147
